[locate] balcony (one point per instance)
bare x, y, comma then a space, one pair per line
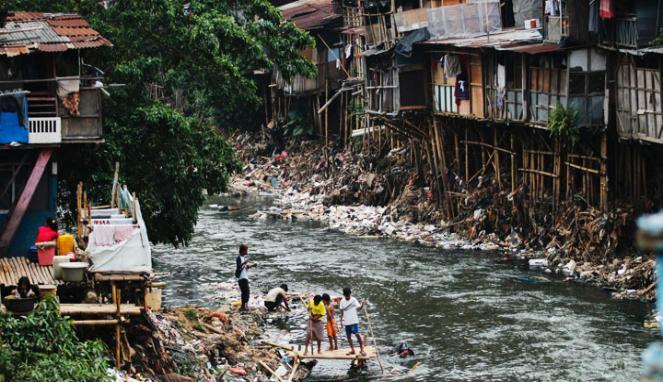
626, 32
407, 21
44, 130
49, 121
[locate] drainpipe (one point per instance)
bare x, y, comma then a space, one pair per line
650, 237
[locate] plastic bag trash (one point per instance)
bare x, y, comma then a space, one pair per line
281, 371
538, 263
569, 268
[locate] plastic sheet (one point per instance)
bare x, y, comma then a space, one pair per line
464, 20
132, 255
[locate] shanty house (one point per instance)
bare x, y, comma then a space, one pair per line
49, 97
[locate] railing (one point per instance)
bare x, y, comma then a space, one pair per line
620, 32
44, 130
626, 32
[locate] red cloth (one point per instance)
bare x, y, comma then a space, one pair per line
45, 233
605, 9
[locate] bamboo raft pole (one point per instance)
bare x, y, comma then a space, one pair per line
370, 328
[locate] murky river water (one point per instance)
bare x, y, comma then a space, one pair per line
467, 317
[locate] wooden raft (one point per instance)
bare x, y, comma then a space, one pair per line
337, 354
99, 309
13, 268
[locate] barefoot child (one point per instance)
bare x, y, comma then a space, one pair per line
331, 322
316, 324
350, 319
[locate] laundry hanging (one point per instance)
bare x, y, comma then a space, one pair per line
462, 89
452, 66
605, 10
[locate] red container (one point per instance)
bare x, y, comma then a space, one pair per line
46, 255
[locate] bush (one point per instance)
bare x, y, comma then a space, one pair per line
43, 346
563, 123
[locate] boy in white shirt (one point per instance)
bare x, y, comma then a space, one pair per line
350, 319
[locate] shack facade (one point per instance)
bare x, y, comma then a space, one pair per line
50, 99
549, 101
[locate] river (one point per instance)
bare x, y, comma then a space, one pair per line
467, 316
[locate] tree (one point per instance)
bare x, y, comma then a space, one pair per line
188, 71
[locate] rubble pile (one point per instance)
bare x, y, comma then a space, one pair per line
199, 344
388, 197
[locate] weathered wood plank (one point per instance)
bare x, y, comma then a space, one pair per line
26, 196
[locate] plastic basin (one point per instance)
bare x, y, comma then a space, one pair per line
47, 290
57, 269
19, 305
74, 271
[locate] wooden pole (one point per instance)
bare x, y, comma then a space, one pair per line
370, 328
467, 155
95, 322
604, 173
115, 180
514, 173
496, 157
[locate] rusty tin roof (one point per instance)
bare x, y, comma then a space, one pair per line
27, 32
310, 14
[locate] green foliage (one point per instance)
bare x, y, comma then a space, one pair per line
191, 315
356, 109
296, 125
563, 123
659, 38
187, 75
43, 346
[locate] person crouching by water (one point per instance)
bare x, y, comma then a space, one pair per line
276, 298
242, 275
350, 319
331, 322
24, 289
316, 323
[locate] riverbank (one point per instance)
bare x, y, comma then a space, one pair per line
385, 197
191, 343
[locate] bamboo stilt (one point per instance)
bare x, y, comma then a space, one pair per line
604, 173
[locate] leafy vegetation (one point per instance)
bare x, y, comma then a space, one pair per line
188, 72
563, 123
43, 347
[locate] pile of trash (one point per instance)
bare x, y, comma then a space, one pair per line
388, 197
198, 344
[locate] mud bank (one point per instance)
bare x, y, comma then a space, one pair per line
385, 197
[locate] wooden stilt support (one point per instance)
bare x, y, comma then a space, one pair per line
604, 173
496, 158
514, 173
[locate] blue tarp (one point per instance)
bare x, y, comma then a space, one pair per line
13, 119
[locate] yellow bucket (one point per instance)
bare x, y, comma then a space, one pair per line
153, 295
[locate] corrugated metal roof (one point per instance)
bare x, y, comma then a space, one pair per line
310, 14
26, 32
643, 51
499, 40
535, 48
30, 32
